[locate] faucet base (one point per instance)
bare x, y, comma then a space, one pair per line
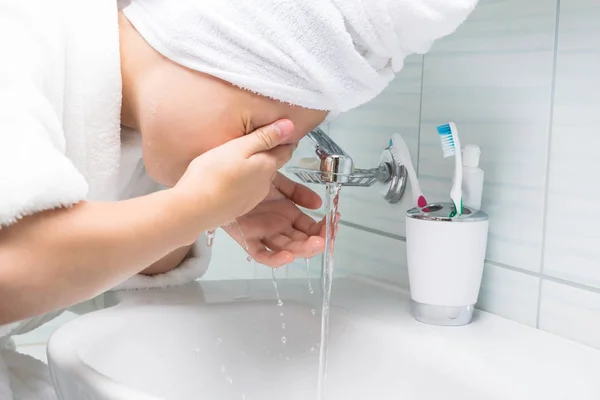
392, 187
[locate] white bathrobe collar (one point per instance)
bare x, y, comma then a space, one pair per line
92, 104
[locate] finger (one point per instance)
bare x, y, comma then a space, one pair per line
306, 248
305, 223
299, 194
273, 259
278, 242
296, 235
280, 155
267, 137
310, 247
320, 228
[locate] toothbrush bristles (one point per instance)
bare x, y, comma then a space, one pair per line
447, 140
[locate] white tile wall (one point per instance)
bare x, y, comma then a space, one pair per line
229, 260
37, 351
573, 236
510, 294
571, 312
374, 256
494, 78
40, 335
34, 342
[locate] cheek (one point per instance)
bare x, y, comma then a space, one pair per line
162, 163
169, 148
306, 121
298, 135
165, 154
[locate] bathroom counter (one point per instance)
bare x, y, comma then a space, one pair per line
377, 350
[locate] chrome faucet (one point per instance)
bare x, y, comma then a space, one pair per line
336, 166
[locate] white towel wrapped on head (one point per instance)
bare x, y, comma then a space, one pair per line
321, 54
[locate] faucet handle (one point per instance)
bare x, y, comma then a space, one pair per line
324, 144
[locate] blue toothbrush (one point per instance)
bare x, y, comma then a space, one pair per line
451, 147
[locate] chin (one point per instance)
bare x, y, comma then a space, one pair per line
159, 174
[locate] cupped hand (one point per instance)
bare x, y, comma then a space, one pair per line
277, 231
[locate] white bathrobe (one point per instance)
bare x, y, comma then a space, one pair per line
60, 140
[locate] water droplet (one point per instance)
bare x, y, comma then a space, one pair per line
283, 325
274, 280
313, 311
283, 340
310, 288
281, 314
243, 397
210, 237
249, 258
223, 369
219, 341
312, 349
197, 350
287, 358
230, 380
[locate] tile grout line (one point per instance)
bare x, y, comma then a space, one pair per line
373, 231
548, 156
548, 278
362, 227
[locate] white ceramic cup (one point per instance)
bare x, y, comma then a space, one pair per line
445, 262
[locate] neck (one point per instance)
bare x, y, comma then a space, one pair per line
130, 73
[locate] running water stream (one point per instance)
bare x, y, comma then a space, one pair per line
331, 202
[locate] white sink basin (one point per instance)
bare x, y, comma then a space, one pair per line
223, 340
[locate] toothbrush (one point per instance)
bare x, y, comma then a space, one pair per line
451, 147
401, 154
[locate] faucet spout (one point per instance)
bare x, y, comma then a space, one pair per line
336, 164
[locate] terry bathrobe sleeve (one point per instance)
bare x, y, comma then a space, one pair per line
35, 174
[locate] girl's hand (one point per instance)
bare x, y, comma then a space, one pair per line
230, 180
277, 231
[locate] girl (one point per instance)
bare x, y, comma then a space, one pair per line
101, 108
